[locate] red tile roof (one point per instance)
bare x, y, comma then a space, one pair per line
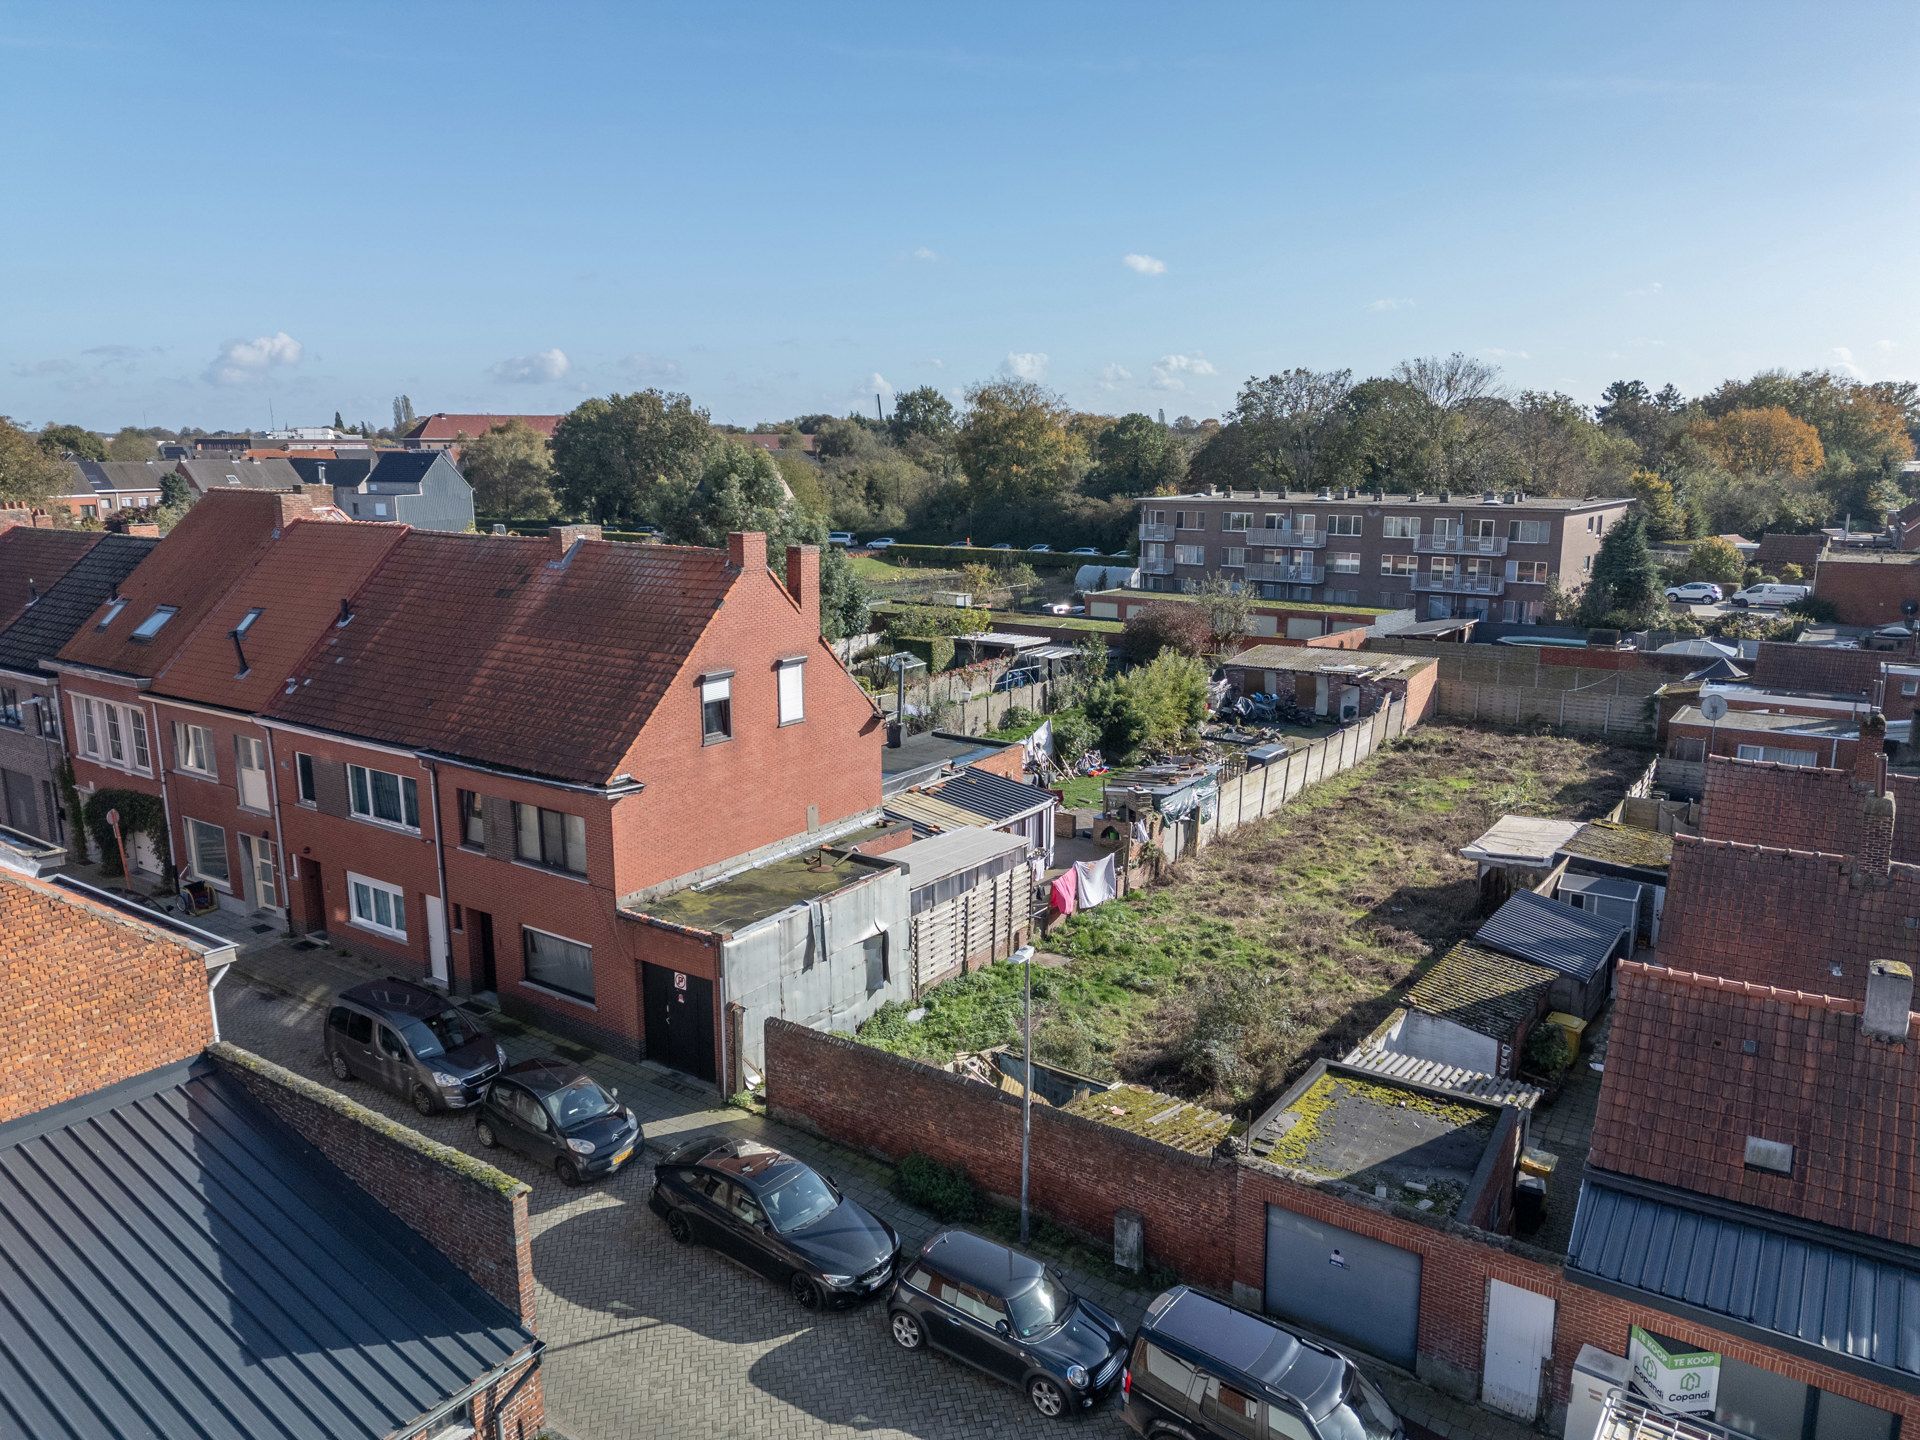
440, 426
32, 557
297, 583
495, 649
1801, 807
200, 558
1696, 1065
1786, 917
1821, 669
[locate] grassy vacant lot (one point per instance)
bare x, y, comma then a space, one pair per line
1285, 943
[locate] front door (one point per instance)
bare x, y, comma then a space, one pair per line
313, 895
480, 948
1519, 1345
679, 1020
256, 866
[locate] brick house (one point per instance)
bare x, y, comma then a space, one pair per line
1807, 807
1872, 587
507, 740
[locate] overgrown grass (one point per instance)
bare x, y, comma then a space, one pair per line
1084, 792
1331, 908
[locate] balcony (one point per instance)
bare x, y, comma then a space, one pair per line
1162, 566
1459, 545
1155, 532
1286, 539
1460, 584
1287, 574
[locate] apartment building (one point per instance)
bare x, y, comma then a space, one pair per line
1490, 555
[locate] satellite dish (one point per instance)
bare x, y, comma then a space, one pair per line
1714, 707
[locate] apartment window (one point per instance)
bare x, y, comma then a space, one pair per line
1481, 528
114, 607
86, 732
551, 838
792, 678
1236, 558
1399, 564
10, 707
389, 799
1237, 520
303, 779
1445, 529
1527, 532
1189, 554
207, 852
154, 623
250, 758
559, 964
1442, 566
1343, 524
1530, 572
1400, 527
193, 748
1189, 519
1156, 517
1344, 562
716, 708
473, 821
377, 906
1306, 524
1341, 597
1586, 564
1910, 688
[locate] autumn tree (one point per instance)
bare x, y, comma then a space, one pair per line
1136, 455
1667, 519
1762, 441
1172, 625
1715, 560
61, 441
1292, 422
28, 474
1018, 453
511, 470
1228, 606
1459, 419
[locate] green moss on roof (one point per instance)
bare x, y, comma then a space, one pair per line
736, 902
1179, 1123
1489, 993
1615, 844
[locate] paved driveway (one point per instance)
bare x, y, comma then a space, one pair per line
648, 1339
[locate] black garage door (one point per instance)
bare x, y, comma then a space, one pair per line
679, 1020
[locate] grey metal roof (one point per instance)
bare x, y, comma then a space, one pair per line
272, 474
1438, 1075
953, 851
1574, 942
1804, 1284
176, 1262
43, 628
1603, 886
969, 796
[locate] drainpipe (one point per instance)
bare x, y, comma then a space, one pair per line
501, 1406
279, 831
157, 758
440, 868
213, 1007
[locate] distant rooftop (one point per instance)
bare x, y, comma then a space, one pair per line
1360, 665
1771, 722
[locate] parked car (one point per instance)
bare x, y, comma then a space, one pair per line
1066, 607
1769, 597
885, 542
553, 1112
412, 1041
1084, 550
1040, 549
777, 1216
1011, 1316
1202, 1368
1003, 545
840, 537
960, 544
1695, 592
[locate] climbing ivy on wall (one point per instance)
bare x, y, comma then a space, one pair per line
140, 814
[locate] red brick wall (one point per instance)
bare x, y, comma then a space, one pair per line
214, 801
88, 776
1833, 752
91, 998
1334, 640
1422, 686
1010, 762
1867, 592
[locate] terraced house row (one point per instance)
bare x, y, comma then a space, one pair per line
478, 755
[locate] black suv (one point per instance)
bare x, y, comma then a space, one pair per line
774, 1215
413, 1041
1202, 1369
554, 1112
1011, 1316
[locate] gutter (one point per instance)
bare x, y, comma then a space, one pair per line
528, 1362
94, 672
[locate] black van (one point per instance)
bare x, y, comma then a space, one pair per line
1202, 1369
413, 1041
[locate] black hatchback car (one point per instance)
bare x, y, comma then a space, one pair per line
774, 1215
1009, 1315
553, 1112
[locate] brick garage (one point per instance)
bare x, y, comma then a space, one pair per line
1871, 589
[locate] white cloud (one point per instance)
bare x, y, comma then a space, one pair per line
1027, 364
1171, 372
652, 369
1380, 307
1494, 352
241, 361
1845, 356
1645, 291
926, 253
1886, 347
1112, 377
541, 368
1144, 264
876, 382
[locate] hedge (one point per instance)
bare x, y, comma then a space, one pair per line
954, 556
140, 814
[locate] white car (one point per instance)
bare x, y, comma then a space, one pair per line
1084, 550
1769, 597
1003, 545
840, 537
1695, 592
886, 542
1039, 549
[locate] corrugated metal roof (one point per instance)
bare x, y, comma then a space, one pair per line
174, 1261
956, 850
968, 797
1574, 942
1790, 1282
1455, 1079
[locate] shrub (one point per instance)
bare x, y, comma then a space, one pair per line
1548, 1050
1173, 626
140, 814
943, 1191
1073, 736
1815, 608
1225, 1034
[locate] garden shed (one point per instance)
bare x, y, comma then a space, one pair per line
969, 899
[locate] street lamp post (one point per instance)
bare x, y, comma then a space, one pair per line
1025, 956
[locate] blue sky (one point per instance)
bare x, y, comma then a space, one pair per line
214, 209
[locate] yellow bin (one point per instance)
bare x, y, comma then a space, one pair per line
1573, 1025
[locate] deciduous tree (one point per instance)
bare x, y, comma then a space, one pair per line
28, 474
1763, 441
616, 458
1715, 560
60, 441
511, 470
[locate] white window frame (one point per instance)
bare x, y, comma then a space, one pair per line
112, 735
1343, 562
1236, 520
790, 683
1777, 754
353, 800
716, 689
1528, 532
193, 750
1349, 526
1189, 554
395, 894
1234, 558
189, 825
242, 771
1400, 527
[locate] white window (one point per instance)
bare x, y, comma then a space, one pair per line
1445, 529
1237, 520
1528, 572
556, 963
378, 795
1399, 564
1343, 524
1527, 532
86, 729
1156, 517
112, 735
1236, 558
252, 764
377, 906
1306, 524
193, 748
1400, 527
1189, 519
793, 691
1189, 554
716, 708
1910, 688
1777, 754
1344, 562
207, 853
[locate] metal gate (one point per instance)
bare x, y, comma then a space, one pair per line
1347, 1287
1519, 1341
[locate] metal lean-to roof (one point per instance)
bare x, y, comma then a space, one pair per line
1574, 942
175, 1262
967, 797
1805, 1285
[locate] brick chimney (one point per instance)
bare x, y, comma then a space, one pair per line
297, 503
1870, 759
803, 581
143, 527
1888, 1014
747, 550
563, 537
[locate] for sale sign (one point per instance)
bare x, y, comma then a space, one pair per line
1685, 1381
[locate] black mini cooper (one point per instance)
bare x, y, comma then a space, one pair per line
776, 1216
